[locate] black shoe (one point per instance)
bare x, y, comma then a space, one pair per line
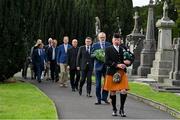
39, 81
121, 112
88, 95
114, 113
106, 101
77, 88
80, 91
97, 103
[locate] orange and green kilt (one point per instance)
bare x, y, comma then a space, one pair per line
109, 85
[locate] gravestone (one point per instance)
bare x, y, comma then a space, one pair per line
149, 45
176, 65
135, 43
164, 55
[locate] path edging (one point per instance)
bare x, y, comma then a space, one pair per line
155, 104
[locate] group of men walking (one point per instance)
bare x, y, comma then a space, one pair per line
80, 63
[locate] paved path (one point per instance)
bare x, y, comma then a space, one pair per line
72, 106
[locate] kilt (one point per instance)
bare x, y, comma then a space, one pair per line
109, 85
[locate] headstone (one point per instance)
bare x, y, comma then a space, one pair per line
176, 65
149, 46
135, 43
164, 55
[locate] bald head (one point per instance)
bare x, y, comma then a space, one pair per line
74, 43
101, 36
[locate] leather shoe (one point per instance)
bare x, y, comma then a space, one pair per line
114, 113
80, 91
122, 114
97, 103
88, 95
106, 101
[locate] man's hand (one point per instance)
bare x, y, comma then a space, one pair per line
127, 62
122, 66
68, 67
78, 68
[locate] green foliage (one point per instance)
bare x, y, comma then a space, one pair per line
12, 47
22, 22
99, 54
158, 12
25, 101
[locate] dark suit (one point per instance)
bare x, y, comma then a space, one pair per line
85, 62
100, 70
71, 62
53, 63
38, 61
47, 67
112, 58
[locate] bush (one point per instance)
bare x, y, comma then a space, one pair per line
12, 46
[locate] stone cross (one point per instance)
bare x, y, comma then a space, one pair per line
136, 26
135, 43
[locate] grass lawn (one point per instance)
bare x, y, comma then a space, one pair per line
170, 99
24, 101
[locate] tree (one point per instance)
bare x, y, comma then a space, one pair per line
22, 22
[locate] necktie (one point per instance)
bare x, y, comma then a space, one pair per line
53, 54
88, 49
103, 45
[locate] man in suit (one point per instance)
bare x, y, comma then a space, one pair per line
85, 64
47, 67
62, 61
71, 62
52, 55
39, 58
100, 68
32, 66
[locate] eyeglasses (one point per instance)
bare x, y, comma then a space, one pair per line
101, 37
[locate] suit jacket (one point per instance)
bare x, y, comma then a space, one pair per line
50, 52
98, 65
46, 47
84, 58
112, 58
62, 55
39, 59
71, 57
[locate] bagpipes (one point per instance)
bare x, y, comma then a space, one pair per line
127, 55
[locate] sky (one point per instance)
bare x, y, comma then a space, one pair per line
140, 2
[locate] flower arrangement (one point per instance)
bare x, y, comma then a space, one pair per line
99, 55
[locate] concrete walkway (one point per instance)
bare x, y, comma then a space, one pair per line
72, 106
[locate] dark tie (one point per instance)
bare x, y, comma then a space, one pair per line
103, 45
53, 53
88, 49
